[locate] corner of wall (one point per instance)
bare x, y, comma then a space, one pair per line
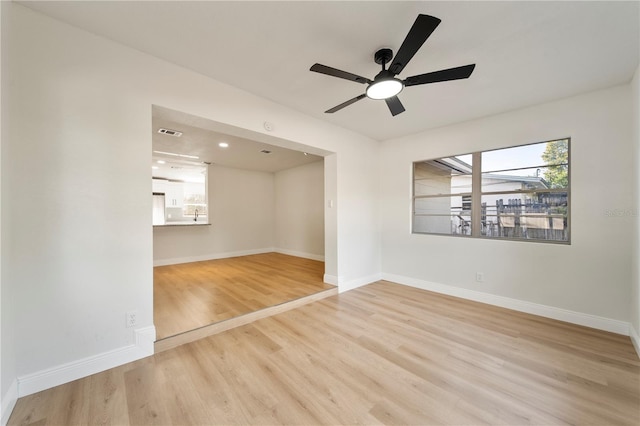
355, 283
635, 276
635, 339
344, 285
8, 380
8, 403
331, 279
143, 347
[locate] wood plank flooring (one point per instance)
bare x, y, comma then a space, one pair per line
379, 354
218, 327
193, 295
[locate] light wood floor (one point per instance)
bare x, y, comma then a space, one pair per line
383, 353
192, 295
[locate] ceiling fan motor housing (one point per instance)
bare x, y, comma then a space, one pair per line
383, 56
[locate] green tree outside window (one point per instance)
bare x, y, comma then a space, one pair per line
556, 155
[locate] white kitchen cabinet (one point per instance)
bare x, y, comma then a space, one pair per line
174, 194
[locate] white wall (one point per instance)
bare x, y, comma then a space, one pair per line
241, 213
8, 369
78, 190
252, 212
635, 253
590, 277
299, 204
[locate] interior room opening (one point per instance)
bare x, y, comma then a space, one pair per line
238, 223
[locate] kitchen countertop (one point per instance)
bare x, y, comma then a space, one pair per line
187, 223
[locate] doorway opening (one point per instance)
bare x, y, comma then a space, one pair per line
257, 240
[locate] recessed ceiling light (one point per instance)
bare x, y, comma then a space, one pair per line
163, 162
155, 167
223, 145
177, 155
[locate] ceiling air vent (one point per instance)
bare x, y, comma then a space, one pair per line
175, 133
265, 151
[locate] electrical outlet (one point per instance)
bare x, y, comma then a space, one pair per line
132, 318
480, 277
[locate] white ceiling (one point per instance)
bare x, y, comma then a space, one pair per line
526, 52
200, 140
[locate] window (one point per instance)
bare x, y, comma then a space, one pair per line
519, 193
194, 199
179, 193
442, 195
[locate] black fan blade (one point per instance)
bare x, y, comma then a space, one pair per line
418, 34
456, 73
323, 69
395, 106
345, 104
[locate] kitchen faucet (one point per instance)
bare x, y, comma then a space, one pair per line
195, 219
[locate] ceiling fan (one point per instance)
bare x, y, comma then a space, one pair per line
385, 85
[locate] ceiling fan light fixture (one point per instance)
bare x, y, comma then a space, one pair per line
385, 85
384, 89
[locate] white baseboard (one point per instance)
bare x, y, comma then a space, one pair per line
45, 379
212, 256
331, 279
304, 255
145, 340
588, 320
635, 339
358, 282
9, 402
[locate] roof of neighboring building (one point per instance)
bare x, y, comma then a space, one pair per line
534, 181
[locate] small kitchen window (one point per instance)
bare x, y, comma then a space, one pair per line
179, 193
